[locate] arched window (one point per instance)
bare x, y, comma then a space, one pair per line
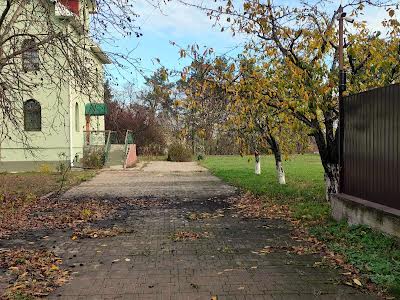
77, 125
32, 115
30, 56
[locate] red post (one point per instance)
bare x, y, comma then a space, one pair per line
87, 129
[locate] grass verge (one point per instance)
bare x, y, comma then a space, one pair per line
147, 158
374, 254
37, 184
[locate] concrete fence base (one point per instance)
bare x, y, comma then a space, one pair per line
358, 211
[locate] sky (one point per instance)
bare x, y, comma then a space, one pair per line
173, 23
185, 26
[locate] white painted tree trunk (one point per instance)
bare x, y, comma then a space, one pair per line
280, 172
331, 180
258, 166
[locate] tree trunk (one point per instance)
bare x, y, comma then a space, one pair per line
280, 172
328, 151
331, 180
258, 163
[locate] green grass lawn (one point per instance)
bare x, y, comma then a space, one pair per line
304, 175
376, 255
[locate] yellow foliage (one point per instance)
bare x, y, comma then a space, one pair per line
86, 214
45, 168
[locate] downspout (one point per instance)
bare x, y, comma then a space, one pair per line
70, 119
70, 125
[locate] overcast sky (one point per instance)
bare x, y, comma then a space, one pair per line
186, 26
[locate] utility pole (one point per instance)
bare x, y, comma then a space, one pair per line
342, 87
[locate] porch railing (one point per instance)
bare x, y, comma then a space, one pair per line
99, 138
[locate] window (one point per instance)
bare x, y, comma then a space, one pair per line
98, 77
32, 116
30, 56
77, 125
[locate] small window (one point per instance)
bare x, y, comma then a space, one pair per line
32, 116
98, 77
30, 56
77, 125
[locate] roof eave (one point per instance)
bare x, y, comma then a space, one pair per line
92, 6
105, 60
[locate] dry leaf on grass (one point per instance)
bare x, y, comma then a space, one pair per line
357, 281
33, 273
51, 213
249, 206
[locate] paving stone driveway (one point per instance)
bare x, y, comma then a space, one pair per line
149, 264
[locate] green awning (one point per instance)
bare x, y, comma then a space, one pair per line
96, 109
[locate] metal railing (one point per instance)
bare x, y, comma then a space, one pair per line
99, 138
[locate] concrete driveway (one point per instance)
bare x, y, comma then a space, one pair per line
154, 179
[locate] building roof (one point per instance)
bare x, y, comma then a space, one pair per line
100, 55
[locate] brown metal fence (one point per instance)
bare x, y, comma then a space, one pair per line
371, 162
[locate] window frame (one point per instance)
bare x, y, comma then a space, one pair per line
32, 116
30, 57
77, 118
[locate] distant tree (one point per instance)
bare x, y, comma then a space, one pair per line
149, 135
157, 92
259, 124
203, 98
108, 94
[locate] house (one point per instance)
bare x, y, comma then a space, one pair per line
56, 115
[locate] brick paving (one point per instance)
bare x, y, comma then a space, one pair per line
148, 263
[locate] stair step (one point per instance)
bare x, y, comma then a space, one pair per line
117, 147
116, 155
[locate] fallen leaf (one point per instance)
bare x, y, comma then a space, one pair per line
54, 268
357, 281
34, 272
195, 286
346, 273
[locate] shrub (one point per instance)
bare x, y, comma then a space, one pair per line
152, 150
45, 168
179, 152
93, 158
63, 166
